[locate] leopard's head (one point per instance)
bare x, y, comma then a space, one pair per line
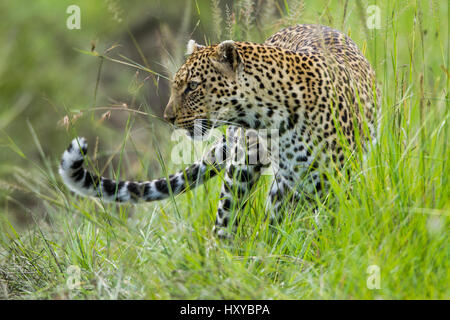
205, 89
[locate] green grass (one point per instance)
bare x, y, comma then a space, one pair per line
393, 212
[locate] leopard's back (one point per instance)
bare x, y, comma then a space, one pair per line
347, 67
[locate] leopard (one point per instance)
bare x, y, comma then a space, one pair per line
310, 84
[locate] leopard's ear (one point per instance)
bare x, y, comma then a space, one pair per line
192, 46
227, 59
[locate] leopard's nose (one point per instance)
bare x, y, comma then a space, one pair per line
169, 113
169, 118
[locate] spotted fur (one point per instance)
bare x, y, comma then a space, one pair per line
309, 82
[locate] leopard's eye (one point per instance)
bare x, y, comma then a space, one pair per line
193, 85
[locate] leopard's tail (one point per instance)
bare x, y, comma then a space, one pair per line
86, 183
